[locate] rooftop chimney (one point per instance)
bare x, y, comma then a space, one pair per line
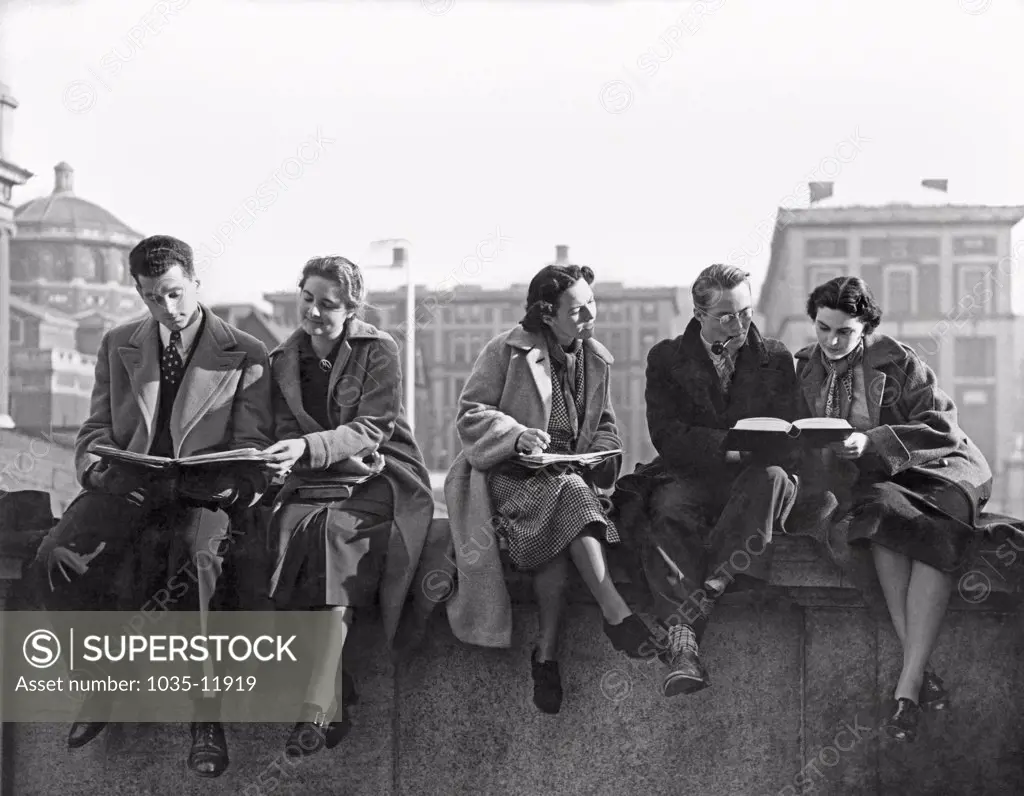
936, 185
820, 190
64, 178
399, 257
561, 255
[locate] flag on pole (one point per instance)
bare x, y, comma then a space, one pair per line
819, 190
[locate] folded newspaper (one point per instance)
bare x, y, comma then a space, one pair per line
539, 460
109, 453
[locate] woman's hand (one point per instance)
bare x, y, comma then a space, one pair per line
282, 455
853, 447
533, 440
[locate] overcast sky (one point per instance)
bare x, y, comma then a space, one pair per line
451, 122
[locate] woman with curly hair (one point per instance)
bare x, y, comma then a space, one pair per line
542, 386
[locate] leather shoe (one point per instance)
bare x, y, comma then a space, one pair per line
934, 695
547, 685
902, 725
208, 756
312, 732
84, 731
632, 637
687, 674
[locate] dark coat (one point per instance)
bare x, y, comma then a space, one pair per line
687, 414
366, 416
914, 422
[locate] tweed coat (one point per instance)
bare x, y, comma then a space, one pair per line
508, 392
914, 422
367, 416
223, 401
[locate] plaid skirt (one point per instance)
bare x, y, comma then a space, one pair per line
540, 512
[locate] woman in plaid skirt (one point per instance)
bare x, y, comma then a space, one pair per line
909, 482
544, 386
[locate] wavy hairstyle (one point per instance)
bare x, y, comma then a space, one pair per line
343, 272
546, 291
849, 294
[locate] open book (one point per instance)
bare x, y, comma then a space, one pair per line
753, 433
110, 454
538, 460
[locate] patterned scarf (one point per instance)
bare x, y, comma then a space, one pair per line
839, 384
569, 369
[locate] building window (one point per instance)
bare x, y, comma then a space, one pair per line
648, 337
825, 247
612, 312
17, 327
648, 311
508, 314
58, 298
899, 290
975, 357
975, 291
976, 244
618, 344
820, 274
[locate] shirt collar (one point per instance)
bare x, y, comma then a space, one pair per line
188, 334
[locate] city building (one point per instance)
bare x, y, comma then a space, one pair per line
944, 278
69, 284
454, 326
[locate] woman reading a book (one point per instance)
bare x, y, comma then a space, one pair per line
356, 504
542, 387
909, 482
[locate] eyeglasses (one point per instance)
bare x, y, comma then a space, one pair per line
743, 316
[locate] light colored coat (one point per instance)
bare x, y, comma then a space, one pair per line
223, 402
366, 415
508, 392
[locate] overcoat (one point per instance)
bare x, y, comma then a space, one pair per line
509, 391
914, 429
223, 401
366, 417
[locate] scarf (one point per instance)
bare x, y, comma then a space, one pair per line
839, 383
568, 366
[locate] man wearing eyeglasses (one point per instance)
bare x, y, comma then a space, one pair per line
701, 518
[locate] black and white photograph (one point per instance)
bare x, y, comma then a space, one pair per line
511, 397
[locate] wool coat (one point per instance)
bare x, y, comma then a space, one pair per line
914, 422
366, 416
508, 392
223, 401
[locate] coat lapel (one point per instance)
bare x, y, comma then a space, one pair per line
596, 381
812, 381
212, 366
141, 359
539, 362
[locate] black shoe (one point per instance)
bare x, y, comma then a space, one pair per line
92, 718
687, 674
547, 685
309, 733
632, 637
84, 731
933, 694
902, 725
208, 756
337, 730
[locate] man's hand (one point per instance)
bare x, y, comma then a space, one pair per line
533, 440
284, 454
853, 447
63, 559
114, 480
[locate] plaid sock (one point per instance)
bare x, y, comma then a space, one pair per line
681, 637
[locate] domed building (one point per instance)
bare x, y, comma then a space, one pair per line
69, 285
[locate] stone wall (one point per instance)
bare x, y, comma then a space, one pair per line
800, 685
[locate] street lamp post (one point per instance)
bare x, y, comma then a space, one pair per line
400, 259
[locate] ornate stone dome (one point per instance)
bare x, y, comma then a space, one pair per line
64, 241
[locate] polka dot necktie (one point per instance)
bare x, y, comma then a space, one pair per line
171, 366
